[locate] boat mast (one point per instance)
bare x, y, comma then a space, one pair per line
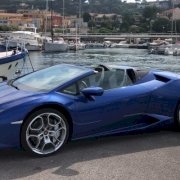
172, 22
47, 8
52, 33
80, 8
76, 47
63, 18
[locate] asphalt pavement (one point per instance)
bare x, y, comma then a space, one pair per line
152, 156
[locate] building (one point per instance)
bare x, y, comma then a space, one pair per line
176, 2
3, 11
6, 18
38, 18
100, 18
75, 24
172, 13
57, 21
166, 4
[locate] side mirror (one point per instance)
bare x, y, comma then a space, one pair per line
93, 91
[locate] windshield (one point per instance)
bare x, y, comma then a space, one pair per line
48, 79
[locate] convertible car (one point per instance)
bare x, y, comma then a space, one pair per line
41, 111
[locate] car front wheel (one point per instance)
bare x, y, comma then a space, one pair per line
44, 132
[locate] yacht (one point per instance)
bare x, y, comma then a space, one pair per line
30, 39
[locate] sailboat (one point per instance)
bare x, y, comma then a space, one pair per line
173, 48
76, 44
58, 45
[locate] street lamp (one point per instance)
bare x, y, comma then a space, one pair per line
163, 28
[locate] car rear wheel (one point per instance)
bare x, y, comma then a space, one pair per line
44, 132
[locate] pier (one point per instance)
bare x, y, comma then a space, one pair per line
100, 37
113, 36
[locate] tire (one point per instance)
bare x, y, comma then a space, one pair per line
177, 118
44, 132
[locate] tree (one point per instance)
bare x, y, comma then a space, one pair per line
178, 26
91, 24
161, 25
150, 12
8, 28
128, 20
86, 17
104, 30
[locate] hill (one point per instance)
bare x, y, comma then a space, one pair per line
71, 6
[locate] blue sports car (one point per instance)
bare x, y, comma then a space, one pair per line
41, 111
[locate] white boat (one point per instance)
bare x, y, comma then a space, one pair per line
107, 44
122, 44
94, 45
77, 45
31, 40
56, 46
169, 50
10, 61
176, 52
53, 45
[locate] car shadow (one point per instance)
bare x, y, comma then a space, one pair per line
17, 164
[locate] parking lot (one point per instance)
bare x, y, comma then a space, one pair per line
144, 156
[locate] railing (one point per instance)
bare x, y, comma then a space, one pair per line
124, 34
113, 35
120, 35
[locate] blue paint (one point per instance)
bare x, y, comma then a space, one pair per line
147, 104
8, 59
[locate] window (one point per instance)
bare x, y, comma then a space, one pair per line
49, 78
106, 79
72, 90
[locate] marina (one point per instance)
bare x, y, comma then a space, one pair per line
92, 86
123, 56
159, 54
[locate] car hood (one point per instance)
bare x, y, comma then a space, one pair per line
11, 95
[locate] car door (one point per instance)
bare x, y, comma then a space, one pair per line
105, 113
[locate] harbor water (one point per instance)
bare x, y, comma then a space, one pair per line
123, 56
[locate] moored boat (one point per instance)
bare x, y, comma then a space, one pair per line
56, 46
10, 61
76, 45
30, 39
122, 44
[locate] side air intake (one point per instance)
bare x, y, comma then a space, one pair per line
161, 78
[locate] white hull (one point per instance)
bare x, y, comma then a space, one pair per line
10, 62
122, 45
8, 72
176, 52
55, 47
33, 48
31, 40
77, 46
168, 51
